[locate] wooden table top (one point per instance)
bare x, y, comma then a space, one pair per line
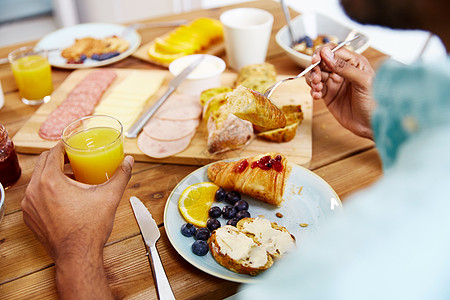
348, 163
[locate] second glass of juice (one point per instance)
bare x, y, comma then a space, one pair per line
32, 73
94, 145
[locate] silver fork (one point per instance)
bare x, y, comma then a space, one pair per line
271, 88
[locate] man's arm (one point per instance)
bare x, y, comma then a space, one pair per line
73, 221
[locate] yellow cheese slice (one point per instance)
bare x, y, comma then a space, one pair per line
107, 108
140, 84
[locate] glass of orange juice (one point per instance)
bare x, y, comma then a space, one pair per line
33, 74
94, 145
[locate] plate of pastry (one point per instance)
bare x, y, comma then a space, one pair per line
285, 199
89, 45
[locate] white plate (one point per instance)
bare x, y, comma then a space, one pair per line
65, 37
308, 200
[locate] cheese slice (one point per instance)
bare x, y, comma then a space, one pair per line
140, 84
127, 99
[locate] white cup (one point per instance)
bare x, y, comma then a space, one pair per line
247, 34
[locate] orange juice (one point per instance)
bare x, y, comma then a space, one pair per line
33, 76
95, 154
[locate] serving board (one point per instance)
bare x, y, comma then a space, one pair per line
299, 150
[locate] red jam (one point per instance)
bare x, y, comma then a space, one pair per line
267, 163
9, 165
242, 166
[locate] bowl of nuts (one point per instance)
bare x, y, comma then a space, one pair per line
327, 30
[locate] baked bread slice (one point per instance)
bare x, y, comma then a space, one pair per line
257, 77
293, 114
280, 135
276, 239
226, 131
262, 177
254, 107
238, 252
207, 94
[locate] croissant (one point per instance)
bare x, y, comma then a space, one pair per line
253, 106
262, 177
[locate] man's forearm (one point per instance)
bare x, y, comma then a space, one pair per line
82, 277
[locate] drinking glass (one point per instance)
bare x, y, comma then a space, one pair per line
32, 73
94, 145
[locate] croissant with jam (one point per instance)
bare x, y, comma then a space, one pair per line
262, 177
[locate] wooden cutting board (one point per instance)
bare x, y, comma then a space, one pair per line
299, 150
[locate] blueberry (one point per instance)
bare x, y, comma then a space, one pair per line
213, 224
233, 221
83, 57
325, 40
200, 248
202, 234
220, 195
241, 205
95, 56
228, 212
301, 40
242, 214
232, 197
188, 229
108, 55
215, 212
308, 41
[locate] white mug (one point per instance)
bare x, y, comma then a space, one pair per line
247, 34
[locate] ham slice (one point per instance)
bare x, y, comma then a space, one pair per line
168, 130
160, 149
171, 129
180, 107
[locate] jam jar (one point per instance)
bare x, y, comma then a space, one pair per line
9, 164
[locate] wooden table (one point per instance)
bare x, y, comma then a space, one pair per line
348, 163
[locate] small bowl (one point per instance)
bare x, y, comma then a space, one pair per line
2, 202
324, 25
206, 75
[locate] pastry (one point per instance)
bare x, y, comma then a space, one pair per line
262, 177
254, 107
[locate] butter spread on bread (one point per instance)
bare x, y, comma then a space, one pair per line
276, 239
251, 246
238, 252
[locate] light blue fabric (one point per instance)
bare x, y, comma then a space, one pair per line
393, 239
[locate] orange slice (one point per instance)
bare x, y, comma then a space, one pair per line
195, 202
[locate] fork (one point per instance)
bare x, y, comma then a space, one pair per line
271, 88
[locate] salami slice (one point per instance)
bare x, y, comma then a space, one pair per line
80, 102
161, 149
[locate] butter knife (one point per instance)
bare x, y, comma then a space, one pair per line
150, 233
174, 83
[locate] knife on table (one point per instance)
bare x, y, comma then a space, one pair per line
150, 233
174, 83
